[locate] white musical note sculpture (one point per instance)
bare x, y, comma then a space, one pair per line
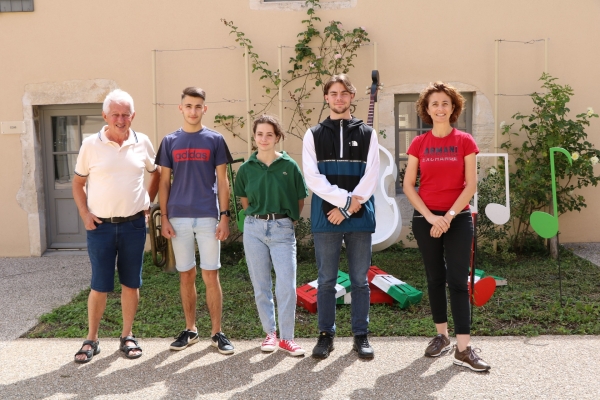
497, 213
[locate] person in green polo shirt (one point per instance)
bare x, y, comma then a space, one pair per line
272, 191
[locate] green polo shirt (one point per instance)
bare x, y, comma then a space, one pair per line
273, 189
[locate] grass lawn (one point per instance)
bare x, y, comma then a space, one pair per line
529, 305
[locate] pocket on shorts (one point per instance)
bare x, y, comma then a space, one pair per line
176, 222
139, 223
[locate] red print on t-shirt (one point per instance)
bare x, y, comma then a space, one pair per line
191, 155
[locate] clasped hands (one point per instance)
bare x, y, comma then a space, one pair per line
337, 215
439, 224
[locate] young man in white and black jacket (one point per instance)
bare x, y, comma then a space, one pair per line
340, 159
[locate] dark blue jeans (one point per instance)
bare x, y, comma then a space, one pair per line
447, 259
328, 246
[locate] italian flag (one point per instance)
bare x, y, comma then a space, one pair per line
400, 291
342, 286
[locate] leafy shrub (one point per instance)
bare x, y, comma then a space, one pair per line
548, 126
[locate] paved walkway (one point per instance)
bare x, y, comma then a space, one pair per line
589, 251
549, 367
31, 287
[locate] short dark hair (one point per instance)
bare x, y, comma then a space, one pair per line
271, 120
193, 92
341, 78
458, 101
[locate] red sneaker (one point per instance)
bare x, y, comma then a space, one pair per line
291, 347
270, 342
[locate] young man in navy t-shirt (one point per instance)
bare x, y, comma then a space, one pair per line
196, 204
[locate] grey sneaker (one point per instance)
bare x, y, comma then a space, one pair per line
469, 358
437, 346
221, 342
184, 339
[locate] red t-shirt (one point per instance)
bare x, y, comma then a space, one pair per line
442, 165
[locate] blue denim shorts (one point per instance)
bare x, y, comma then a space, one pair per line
209, 248
121, 243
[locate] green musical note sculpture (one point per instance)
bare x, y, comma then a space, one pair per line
544, 224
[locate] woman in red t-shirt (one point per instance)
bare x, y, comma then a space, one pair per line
442, 222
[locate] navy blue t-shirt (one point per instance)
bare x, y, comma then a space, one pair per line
193, 157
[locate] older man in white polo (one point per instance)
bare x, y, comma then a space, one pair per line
112, 207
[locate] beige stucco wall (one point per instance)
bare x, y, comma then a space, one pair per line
71, 45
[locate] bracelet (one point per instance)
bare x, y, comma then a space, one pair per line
163, 215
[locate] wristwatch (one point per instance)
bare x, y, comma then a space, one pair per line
226, 213
452, 213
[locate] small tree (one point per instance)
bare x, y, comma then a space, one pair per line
548, 126
318, 56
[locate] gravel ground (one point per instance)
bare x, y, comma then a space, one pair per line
549, 367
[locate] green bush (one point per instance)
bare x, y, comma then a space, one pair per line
547, 126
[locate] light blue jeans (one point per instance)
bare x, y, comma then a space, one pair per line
328, 246
273, 243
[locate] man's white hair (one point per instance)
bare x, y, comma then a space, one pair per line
117, 96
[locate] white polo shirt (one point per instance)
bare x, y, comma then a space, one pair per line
115, 174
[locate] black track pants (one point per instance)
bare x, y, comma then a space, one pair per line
447, 259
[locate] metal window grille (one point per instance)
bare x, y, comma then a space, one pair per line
16, 5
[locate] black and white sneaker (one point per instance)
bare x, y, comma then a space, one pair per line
221, 342
184, 339
362, 346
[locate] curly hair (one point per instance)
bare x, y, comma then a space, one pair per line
269, 119
458, 101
